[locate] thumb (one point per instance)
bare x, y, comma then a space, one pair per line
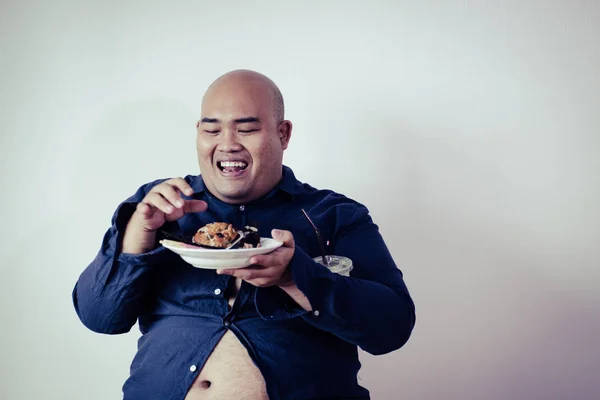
283, 236
194, 206
146, 211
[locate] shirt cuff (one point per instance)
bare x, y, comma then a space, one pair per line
273, 304
314, 281
114, 265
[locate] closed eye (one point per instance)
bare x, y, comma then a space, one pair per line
211, 132
248, 131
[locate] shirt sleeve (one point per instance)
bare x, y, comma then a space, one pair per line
371, 309
111, 292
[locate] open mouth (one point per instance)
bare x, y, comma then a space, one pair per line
232, 167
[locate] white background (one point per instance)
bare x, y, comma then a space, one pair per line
469, 128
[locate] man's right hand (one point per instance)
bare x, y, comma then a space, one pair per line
162, 204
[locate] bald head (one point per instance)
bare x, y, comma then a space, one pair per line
241, 136
261, 87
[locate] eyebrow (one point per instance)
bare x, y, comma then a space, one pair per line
246, 120
237, 121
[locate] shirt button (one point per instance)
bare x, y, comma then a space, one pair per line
193, 368
217, 291
242, 207
316, 313
226, 323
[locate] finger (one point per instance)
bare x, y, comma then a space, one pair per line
265, 260
252, 278
262, 282
157, 200
194, 206
232, 272
181, 185
171, 194
283, 236
279, 256
145, 210
251, 272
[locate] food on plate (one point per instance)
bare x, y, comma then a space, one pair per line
251, 238
220, 235
216, 234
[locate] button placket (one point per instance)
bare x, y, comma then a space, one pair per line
243, 215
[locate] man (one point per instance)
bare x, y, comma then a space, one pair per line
285, 327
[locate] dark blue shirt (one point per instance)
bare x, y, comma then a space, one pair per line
183, 311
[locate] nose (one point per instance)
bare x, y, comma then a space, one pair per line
229, 142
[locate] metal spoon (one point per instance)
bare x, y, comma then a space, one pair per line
177, 238
241, 235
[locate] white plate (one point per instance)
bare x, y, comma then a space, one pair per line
219, 259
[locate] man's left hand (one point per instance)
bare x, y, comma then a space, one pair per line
268, 269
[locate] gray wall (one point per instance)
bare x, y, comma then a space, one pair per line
469, 128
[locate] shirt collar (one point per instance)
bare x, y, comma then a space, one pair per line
288, 184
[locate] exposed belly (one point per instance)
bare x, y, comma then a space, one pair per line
229, 373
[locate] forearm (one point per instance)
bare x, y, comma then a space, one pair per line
109, 294
353, 319
378, 315
112, 304
371, 315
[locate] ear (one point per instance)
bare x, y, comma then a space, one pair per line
285, 133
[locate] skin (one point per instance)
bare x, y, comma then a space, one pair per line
241, 121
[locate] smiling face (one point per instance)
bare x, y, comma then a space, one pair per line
240, 140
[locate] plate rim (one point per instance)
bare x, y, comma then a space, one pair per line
206, 251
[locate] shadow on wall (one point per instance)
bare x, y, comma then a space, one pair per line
496, 318
509, 342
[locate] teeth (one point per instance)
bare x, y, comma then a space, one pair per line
233, 164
